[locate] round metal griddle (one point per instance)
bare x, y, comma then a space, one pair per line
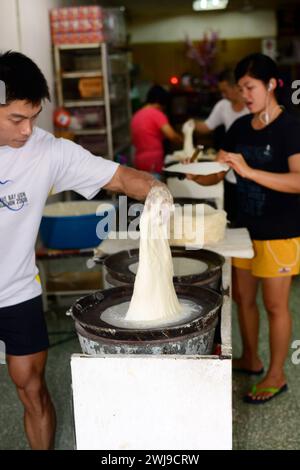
87, 312
118, 264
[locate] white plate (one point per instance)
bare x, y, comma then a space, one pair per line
198, 168
179, 155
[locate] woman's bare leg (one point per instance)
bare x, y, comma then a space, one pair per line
276, 296
244, 288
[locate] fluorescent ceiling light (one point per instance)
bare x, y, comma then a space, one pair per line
202, 5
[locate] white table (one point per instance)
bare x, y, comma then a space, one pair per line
159, 402
236, 243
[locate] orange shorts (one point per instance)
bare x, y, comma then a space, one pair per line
272, 258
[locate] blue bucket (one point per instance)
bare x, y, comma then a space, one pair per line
73, 225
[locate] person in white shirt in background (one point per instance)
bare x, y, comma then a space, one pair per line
230, 108
32, 163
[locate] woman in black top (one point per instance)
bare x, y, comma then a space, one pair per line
263, 148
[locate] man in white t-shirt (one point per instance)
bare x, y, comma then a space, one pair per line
32, 163
225, 112
228, 109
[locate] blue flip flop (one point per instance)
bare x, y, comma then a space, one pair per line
260, 401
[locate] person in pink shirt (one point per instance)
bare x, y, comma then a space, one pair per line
149, 127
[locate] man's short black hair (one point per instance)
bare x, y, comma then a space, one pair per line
227, 75
22, 78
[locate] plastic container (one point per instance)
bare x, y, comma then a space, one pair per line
73, 225
87, 117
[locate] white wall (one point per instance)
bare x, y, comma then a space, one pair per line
8, 25
235, 25
36, 43
24, 26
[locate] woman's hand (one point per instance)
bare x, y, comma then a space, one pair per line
237, 162
221, 155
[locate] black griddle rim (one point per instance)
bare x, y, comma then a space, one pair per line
117, 265
109, 297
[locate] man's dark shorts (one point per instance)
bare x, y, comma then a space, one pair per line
23, 328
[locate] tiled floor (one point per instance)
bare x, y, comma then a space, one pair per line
274, 425
64, 344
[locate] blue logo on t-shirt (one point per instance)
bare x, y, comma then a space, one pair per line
13, 202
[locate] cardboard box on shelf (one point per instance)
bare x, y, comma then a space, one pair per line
90, 87
74, 13
78, 38
92, 24
76, 26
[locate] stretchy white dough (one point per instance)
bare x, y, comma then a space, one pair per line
154, 296
188, 146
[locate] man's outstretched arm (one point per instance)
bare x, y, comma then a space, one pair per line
133, 183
